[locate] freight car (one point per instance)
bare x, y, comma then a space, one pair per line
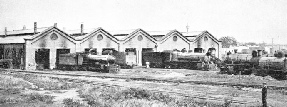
181, 60
88, 61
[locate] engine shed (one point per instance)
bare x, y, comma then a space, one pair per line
39, 48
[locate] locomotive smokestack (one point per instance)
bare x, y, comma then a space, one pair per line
35, 27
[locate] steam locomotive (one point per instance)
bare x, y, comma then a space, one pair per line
181, 60
88, 61
258, 64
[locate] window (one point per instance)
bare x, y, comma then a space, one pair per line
140, 37
205, 38
130, 51
87, 50
54, 36
198, 50
100, 37
93, 51
174, 38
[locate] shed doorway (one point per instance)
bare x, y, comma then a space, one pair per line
131, 57
60, 51
42, 58
144, 51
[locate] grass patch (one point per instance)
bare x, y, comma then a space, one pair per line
47, 83
10, 82
35, 97
103, 96
68, 102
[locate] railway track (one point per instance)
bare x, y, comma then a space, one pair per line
238, 85
194, 94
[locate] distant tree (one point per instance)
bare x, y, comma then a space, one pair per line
251, 43
228, 41
279, 54
262, 44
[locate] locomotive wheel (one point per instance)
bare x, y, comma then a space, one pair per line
74, 68
85, 68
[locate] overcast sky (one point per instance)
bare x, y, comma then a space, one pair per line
246, 20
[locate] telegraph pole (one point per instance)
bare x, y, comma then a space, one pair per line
187, 27
272, 47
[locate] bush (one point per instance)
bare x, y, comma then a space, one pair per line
68, 102
10, 82
34, 97
280, 54
47, 83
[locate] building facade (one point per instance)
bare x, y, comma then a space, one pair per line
42, 46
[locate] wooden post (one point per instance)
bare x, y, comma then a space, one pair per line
239, 76
264, 95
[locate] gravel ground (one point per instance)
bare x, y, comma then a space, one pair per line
240, 96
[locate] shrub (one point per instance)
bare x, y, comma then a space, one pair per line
280, 54
10, 82
68, 102
48, 83
34, 97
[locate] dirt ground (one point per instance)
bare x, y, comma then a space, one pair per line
203, 86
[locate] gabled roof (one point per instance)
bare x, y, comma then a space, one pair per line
133, 34
171, 33
203, 33
94, 32
158, 35
38, 36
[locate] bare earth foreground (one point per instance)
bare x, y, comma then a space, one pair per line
138, 87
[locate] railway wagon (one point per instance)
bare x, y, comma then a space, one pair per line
88, 61
180, 60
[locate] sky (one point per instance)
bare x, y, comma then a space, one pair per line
246, 20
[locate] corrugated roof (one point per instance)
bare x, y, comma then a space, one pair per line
192, 33
159, 32
158, 37
23, 31
120, 32
78, 31
14, 39
120, 36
